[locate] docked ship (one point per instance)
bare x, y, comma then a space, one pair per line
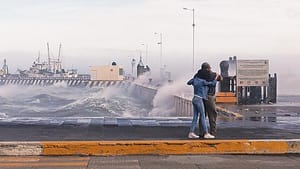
51, 71
44, 73
51, 68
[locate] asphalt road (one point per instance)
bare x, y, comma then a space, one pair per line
154, 162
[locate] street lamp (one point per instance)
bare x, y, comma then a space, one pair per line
193, 10
160, 43
146, 46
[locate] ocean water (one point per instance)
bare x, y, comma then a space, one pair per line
62, 101
59, 100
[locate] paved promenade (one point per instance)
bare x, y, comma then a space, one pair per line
88, 129
254, 124
154, 162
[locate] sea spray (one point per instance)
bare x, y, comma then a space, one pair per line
3, 115
163, 102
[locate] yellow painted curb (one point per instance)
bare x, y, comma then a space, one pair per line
150, 147
171, 147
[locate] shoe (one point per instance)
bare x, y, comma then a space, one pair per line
209, 136
193, 135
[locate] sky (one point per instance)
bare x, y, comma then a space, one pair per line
97, 32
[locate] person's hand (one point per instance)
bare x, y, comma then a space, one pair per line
217, 75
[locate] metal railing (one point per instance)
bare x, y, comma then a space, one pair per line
183, 106
83, 77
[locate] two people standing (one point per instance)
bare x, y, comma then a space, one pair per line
204, 83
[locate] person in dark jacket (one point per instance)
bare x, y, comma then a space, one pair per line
210, 103
200, 94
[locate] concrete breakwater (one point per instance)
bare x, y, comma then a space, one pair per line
144, 93
182, 105
69, 81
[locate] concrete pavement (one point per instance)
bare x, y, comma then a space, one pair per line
250, 134
96, 129
154, 162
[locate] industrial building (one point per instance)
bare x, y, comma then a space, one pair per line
107, 72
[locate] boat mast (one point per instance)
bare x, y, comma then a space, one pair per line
49, 59
59, 55
59, 50
38, 59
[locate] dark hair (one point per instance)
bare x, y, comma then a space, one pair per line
205, 66
203, 74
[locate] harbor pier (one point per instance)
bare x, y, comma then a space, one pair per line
83, 81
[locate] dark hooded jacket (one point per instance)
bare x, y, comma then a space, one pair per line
208, 76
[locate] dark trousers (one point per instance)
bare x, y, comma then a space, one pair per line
211, 112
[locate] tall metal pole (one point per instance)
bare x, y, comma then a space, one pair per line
160, 43
160, 49
193, 25
147, 54
193, 39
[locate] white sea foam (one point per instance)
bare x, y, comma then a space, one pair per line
3, 115
61, 84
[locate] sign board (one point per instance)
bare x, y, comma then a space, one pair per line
252, 72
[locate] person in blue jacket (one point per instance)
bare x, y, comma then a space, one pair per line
200, 93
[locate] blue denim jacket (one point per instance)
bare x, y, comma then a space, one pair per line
201, 86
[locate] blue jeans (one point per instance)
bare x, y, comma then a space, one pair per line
198, 107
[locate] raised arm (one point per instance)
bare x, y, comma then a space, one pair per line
190, 82
212, 83
218, 77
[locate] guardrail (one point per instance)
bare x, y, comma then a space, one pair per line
87, 78
183, 106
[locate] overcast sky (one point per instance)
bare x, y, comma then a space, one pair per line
97, 32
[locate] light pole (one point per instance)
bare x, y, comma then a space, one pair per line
160, 43
146, 46
193, 10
